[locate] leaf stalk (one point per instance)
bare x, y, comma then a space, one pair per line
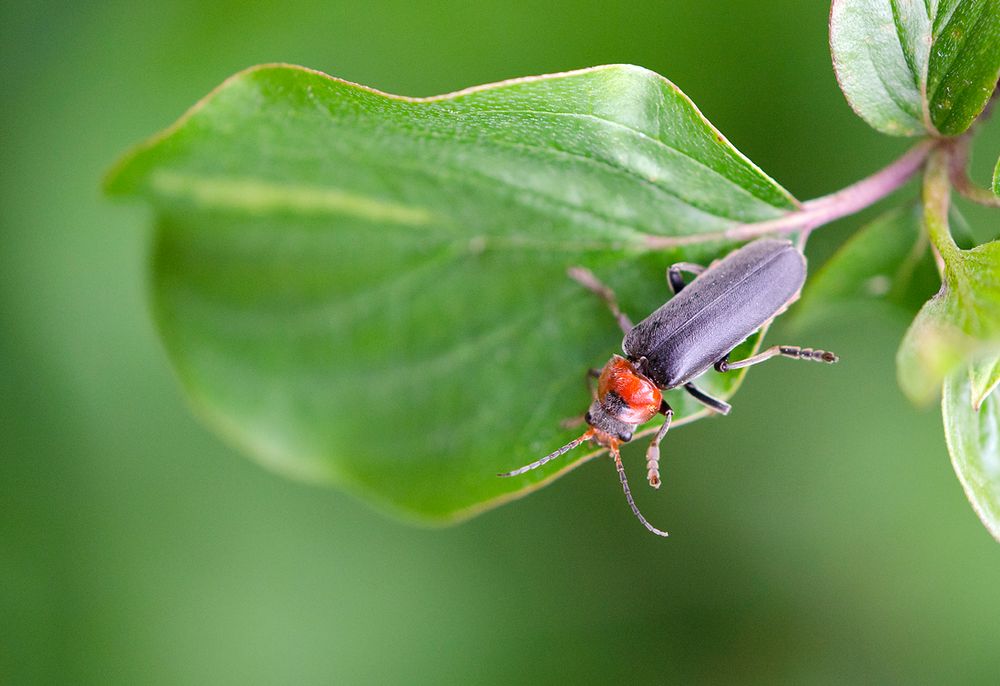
960, 176
937, 197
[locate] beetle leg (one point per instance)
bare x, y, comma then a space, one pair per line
586, 278
708, 401
792, 351
579, 420
592, 376
674, 279
653, 451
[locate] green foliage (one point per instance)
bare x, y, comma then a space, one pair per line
928, 68
957, 335
961, 322
984, 375
973, 435
996, 179
371, 290
913, 68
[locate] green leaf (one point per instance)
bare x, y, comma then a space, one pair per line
961, 230
984, 376
996, 178
911, 67
959, 324
371, 291
974, 444
886, 261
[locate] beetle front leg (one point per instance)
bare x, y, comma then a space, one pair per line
792, 351
593, 374
579, 420
674, 279
653, 451
586, 278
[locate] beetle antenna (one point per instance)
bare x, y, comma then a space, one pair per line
628, 494
551, 456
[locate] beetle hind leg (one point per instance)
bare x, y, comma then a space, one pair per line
588, 280
791, 351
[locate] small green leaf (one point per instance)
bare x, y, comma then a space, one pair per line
911, 67
886, 261
959, 324
984, 375
370, 290
960, 229
996, 178
974, 444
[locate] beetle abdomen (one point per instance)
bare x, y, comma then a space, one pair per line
717, 311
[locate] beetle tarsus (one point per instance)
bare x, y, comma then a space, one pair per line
653, 465
653, 451
797, 353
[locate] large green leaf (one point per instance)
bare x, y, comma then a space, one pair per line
911, 67
974, 443
886, 261
371, 290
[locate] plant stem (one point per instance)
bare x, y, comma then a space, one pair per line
937, 197
822, 210
960, 176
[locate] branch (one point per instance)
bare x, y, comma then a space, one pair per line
960, 177
820, 211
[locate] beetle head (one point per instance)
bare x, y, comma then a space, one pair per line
625, 399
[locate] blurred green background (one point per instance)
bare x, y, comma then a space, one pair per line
819, 534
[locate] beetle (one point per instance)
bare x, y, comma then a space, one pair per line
694, 331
